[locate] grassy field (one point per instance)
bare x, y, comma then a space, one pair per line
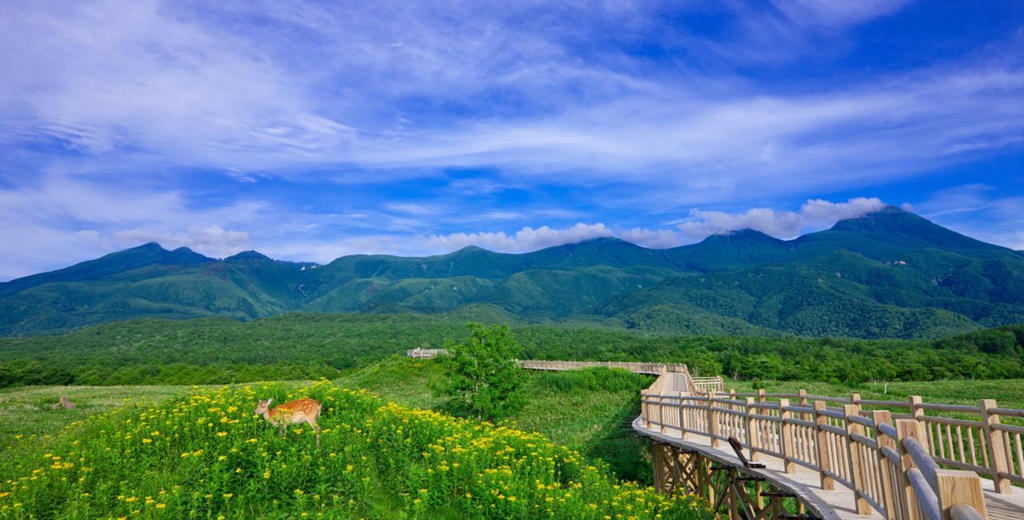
204, 455
594, 421
28, 412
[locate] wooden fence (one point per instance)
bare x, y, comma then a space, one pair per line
863, 450
638, 367
424, 353
697, 384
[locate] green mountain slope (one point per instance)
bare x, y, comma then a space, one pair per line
890, 274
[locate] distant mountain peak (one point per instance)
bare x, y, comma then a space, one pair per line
745, 235
895, 227
600, 241
247, 255
148, 246
469, 249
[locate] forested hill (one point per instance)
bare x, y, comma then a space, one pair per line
890, 274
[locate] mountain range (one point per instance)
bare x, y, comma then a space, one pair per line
888, 274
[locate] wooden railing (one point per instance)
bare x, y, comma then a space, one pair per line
697, 385
638, 367
859, 449
707, 385
424, 353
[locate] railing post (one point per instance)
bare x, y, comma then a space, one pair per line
880, 417
824, 458
712, 422
909, 428
682, 417
802, 401
959, 487
856, 464
997, 452
661, 412
753, 434
917, 412
786, 431
645, 414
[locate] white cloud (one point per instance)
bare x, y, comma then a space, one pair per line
384, 94
526, 239
814, 214
827, 213
776, 223
151, 76
211, 240
320, 85
654, 238
63, 220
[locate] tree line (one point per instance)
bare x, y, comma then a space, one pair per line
311, 346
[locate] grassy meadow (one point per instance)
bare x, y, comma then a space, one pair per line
129, 451
204, 455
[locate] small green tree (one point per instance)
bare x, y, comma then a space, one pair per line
482, 378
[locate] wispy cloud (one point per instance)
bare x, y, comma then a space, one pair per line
373, 90
832, 13
978, 210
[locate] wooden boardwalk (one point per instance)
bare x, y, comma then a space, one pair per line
841, 461
833, 458
838, 504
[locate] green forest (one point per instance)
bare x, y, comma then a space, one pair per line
314, 345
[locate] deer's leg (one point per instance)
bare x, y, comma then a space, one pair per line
316, 429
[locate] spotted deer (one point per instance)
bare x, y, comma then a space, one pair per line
292, 412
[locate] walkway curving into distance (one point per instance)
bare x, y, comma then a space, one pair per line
678, 373
833, 458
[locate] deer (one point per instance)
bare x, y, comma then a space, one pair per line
293, 412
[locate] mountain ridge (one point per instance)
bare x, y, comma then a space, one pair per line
885, 274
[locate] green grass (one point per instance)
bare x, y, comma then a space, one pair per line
205, 455
587, 411
595, 421
28, 411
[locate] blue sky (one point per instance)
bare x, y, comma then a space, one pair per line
312, 130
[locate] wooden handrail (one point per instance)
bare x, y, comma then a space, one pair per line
858, 448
